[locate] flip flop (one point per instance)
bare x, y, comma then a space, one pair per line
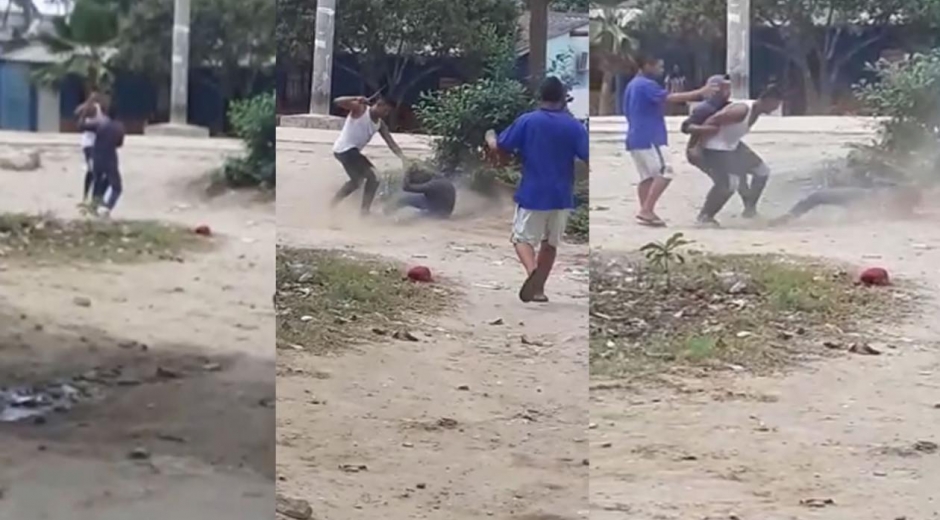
527, 291
541, 298
651, 222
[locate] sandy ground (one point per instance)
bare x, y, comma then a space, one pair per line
520, 444
209, 433
840, 430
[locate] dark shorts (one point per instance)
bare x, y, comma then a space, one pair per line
357, 166
741, 161
87, 151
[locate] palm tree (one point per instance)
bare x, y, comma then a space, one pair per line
611, 47
83, 43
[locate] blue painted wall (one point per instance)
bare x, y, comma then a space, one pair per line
17, 98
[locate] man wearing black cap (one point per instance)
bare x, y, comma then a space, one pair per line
548, 140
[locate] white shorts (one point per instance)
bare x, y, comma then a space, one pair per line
652, 162
533, 227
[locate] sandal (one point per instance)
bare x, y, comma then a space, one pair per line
651, 222
527, 291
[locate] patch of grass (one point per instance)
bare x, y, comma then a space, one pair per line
48, 238
327, 301
758, 313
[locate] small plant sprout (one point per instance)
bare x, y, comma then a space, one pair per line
663, 255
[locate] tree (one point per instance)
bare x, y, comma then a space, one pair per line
27, 7
295, 29
611, 47
814, 32
83, 43
570, 6
386, 37
228, 36
698, 25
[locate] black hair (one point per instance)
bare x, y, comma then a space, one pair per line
642, 59
552, 90
771, 92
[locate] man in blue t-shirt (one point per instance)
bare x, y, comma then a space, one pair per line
644, 105
548, 140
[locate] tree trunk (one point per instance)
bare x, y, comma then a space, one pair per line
538, 41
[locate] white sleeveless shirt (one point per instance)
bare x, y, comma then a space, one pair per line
356, 133
729, 136
88, 138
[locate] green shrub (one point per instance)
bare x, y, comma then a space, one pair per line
254, 122
459, 117
907, 95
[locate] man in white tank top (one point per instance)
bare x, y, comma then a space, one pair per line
362, 123
728, 161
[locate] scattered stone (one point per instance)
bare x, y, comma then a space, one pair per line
293, 508
167, 373
531, 342
212, 367
784, 335
266, 402
128, 381
585, 462
379, 332
834, 345
82, 301
421, 485
864, 349
404, 335
203, 230
447, 423
139, 453
407, 445
353, 468
738, 287
464, 388
607, 445
929, 447
497, 321
817, 502
169, 437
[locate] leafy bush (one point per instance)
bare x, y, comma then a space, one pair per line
460, 116
254, 122
907, 95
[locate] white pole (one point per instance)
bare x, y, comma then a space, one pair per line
322, 77
739, 48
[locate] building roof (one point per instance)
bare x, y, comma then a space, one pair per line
33, 52
559, 23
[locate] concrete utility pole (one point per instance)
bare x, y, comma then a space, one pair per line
322, 77
739, 48
179, 84
179, 79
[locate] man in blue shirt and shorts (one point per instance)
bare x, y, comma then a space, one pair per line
644, 105
548, 140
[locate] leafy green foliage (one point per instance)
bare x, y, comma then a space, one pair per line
570, 6
255, 123
907, 95
82, 42
663, 255
460, 116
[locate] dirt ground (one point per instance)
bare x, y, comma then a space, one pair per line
842, 430
519, 448
206, 322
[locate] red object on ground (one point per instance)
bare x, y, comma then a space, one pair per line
420, 273
874, 276
203, 230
